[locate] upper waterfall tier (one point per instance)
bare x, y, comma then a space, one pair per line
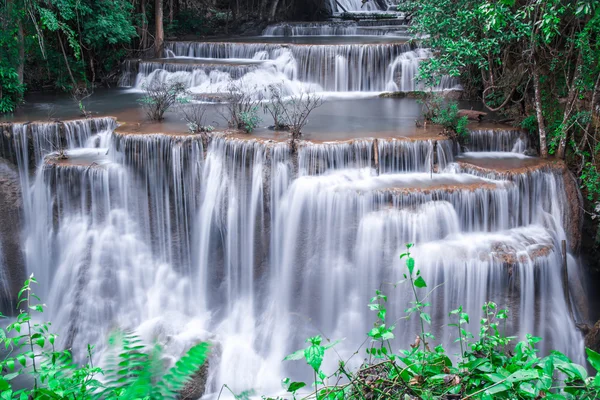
331, 65
345, 28
363, 5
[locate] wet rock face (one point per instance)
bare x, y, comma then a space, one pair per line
592, 337
574, 210
197, 385
11, 261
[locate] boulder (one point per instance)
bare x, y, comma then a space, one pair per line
196, 387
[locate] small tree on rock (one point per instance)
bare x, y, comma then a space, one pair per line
160, 96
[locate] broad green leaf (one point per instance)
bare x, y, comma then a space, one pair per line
295, 386
314, 356
420, 282
498, 388
523, 375
594, 359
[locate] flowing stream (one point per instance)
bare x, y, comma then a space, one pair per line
255, 248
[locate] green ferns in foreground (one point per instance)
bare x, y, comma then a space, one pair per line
486, 368
134, 372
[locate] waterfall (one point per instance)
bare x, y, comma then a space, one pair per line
402, 73
253, 247
364, 66
334, 29
497, 140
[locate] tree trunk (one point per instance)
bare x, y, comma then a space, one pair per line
159, 37
171, 12
263, 9
144, 35
562, 147
21, 41
273, 10
64, 53
538, 111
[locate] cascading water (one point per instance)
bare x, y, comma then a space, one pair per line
246, 245
204, 67
362, 6
335, 29
253, 246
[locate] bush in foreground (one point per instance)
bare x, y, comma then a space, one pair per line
135, 372
485, 369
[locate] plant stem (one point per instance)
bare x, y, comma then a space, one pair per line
31, 341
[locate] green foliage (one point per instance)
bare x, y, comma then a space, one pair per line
590, 179
249, 119
502, 47
445, 113
62, 42
132, 372
485, 369
12, 89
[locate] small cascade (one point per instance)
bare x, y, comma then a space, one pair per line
497, 140
192, 74
363, 6
402, 73
393, 155
334, 29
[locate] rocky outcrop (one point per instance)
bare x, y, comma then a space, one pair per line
196, 387
12, 266
592, 336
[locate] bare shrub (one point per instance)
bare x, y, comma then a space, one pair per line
297, 109
194, 114
241, 109
291, 113
160, 97
276, 108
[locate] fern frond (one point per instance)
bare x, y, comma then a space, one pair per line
174, 381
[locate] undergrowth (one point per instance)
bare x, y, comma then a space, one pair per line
490, 365
485, 368
133, 371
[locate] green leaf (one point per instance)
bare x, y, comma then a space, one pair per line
330, 345
21, 359
297, 355
295, 386
573, 371
593, 359
420, 282
314, 356
499, 388
426, 317
523, 375
410, 263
